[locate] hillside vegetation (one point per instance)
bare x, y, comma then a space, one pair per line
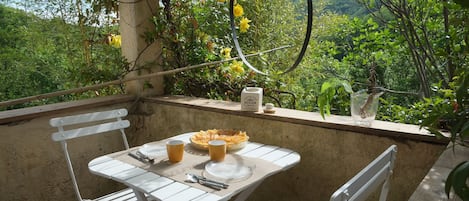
417, 52
40, 55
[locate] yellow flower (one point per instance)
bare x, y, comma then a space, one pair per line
221, 1
244, 24
238, 10
226, 52
115, 41
237, 66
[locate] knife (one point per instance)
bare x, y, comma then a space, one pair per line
210, 185
138, 157
201, 178
145, 157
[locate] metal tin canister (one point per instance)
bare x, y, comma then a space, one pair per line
251, 99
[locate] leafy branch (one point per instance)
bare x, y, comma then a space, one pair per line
451, 113
328, 91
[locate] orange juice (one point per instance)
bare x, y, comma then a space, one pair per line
175, 149
217, 150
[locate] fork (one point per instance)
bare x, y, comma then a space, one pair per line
145, 157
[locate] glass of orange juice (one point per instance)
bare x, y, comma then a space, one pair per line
175, 149
217, 150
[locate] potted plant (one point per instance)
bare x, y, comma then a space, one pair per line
363, 103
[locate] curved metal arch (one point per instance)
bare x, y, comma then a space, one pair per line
303, 48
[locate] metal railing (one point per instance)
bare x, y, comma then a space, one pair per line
121, 81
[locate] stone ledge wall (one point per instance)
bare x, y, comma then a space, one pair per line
33, 166
330, 155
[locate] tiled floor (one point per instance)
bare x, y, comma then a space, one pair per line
432, 186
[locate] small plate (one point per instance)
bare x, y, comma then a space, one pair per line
228, 171
152, 150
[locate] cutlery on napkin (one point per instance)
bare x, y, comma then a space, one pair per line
141, 157
192, 178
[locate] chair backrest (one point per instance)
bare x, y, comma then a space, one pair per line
96, 123
369, 179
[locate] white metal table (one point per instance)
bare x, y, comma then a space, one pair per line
146, 179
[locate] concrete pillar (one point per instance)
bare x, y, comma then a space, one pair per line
135, 21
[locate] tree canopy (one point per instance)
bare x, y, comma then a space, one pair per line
42, 54
416, 46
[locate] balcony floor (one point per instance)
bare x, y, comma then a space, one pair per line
432, 186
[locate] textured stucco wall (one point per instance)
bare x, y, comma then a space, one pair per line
32, 166
329, 157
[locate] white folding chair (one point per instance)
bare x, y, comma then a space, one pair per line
104, 122
369, 179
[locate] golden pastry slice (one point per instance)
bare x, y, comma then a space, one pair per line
234, 139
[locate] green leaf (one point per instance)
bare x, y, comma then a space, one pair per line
464, 131
325, 86
347, 87
436, 132
449, 183
430, 120
462, 90
321, 105
330, 94
457, 180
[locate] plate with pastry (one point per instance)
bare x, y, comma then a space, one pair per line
235, 139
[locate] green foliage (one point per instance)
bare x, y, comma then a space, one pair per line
347, 7
457, 179
463, 3
450, 111
328, 91
434, 36
42, 55
203, 32
341, 48
390, 111
412, 46
27, 65
194, 32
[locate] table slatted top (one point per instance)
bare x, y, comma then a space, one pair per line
163, 188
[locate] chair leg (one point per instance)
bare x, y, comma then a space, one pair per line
384, 190
70, 170
140, 196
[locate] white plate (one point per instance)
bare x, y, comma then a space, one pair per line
228, 171
152, 150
